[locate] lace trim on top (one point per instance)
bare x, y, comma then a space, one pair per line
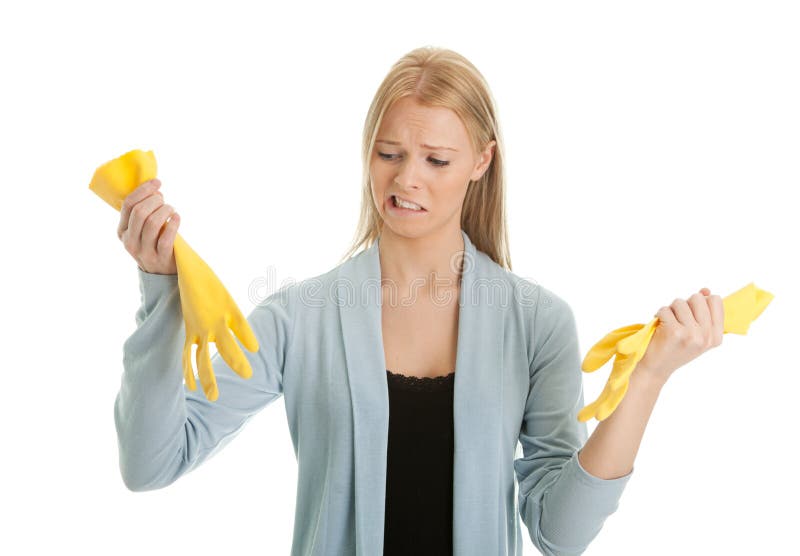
427, 383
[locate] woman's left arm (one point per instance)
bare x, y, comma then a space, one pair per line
686, 329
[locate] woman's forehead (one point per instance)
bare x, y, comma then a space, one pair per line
430, 126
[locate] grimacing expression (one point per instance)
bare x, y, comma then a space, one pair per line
423, 154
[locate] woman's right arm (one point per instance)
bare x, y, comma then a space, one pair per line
165, 430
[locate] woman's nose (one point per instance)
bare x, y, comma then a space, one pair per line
406, 173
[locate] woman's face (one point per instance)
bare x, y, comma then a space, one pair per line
423, 154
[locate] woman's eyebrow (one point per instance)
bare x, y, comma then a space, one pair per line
433, 147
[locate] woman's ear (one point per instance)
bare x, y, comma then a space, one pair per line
485, 160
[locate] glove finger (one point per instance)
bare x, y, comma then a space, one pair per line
633, 342
593, 409
624, 365
232, 354
646, 342
621, 371
606, 347
609, 405
188, 373
590, 410
625, 331
614, 389
206, 372
587, 412
241, 327
595, 359
631, 360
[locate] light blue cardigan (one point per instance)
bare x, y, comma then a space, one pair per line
517, 378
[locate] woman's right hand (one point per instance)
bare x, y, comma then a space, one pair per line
144, 230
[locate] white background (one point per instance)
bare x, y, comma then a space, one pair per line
652, 150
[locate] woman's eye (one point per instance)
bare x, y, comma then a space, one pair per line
434, 161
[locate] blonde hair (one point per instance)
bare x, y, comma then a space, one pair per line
441, 77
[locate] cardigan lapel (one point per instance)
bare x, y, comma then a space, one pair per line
477, 404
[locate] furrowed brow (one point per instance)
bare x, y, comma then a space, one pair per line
432, 147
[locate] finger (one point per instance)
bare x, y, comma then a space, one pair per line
667, 317
167, 239
683, 313
702, 314
717, 317
241, 327
139, 215
206, 372
188, 373
135, 196
153, 227
233, 354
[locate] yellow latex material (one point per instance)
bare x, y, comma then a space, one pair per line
208, 309
629, 344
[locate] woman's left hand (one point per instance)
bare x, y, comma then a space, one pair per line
685, 330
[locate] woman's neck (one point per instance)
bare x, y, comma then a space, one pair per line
423, 263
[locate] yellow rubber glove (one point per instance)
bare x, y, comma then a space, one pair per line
208, 309
629, 345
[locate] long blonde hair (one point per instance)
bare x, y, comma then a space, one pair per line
441, 77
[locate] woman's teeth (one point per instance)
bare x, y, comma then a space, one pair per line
401, 203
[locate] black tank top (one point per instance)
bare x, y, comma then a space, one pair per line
419, 466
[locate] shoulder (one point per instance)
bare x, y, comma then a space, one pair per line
536, 300
545, 314
309, 294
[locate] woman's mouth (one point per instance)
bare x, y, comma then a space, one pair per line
404, 207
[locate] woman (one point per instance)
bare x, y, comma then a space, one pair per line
412, 370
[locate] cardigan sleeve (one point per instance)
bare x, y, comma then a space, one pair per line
562, 505
165, 430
